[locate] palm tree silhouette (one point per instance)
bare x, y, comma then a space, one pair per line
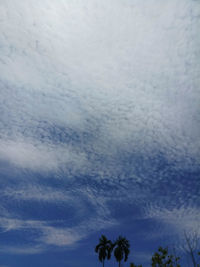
104, 248
121, 250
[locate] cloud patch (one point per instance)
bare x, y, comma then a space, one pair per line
38, 156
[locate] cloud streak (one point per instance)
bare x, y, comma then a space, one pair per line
49, 235
39, 156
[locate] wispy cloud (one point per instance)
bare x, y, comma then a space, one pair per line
38, 193
105, 99
178, 220
40, 156
52, 235
22, 250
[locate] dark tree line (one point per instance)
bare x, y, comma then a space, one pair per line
161, 258
106, 247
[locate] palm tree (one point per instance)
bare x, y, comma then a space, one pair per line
104, 248
121, 250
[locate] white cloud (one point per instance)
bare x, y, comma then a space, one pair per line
178, 220
38, 193
82, 201
21, 250
40, 156
52, 235
106, 69
9, 224
60, 237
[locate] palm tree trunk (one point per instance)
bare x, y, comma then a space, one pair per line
119, 263
103, 263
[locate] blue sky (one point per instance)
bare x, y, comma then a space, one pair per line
99, 128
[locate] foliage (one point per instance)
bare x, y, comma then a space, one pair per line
163, 259
191, 246
121, 250
104, 248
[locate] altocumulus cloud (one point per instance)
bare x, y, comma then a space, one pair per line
100, 98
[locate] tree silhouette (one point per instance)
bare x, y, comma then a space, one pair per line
163, 259
192, 246
121, 250
104, 248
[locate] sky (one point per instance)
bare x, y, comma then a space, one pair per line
99, 128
